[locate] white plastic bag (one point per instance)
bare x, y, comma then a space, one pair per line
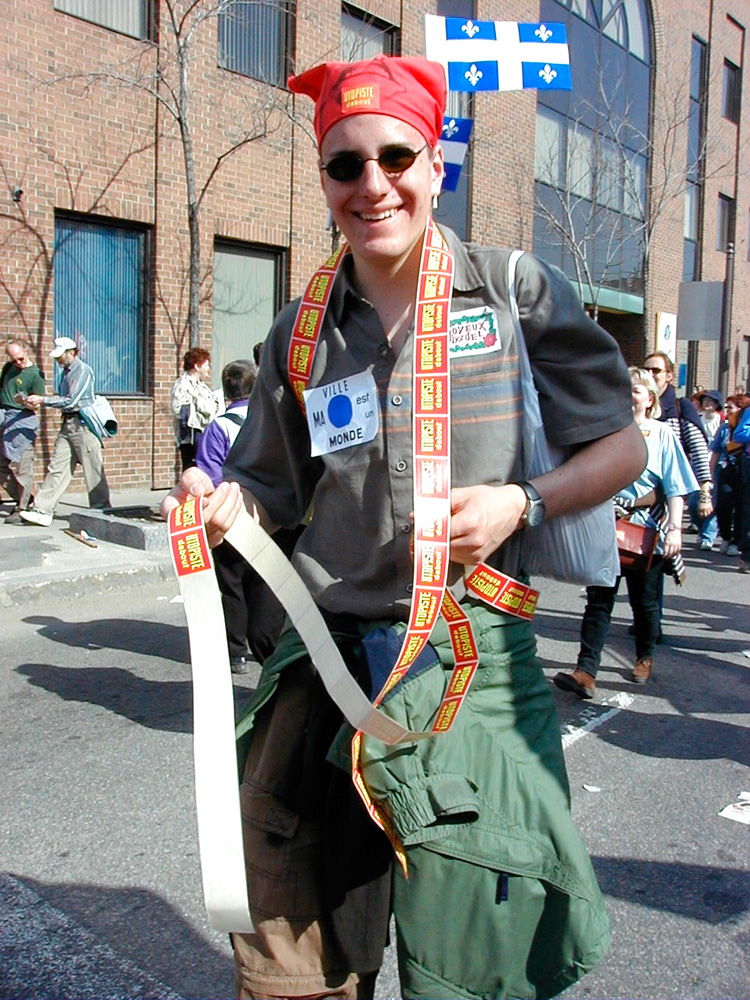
575, 548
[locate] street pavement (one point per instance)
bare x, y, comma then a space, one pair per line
99, 873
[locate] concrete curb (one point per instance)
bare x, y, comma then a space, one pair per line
28, 586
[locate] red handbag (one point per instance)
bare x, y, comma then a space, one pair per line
635, 545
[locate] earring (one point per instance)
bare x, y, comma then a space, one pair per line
435, 202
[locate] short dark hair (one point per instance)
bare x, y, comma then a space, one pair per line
668, 363
238, 379
194, 357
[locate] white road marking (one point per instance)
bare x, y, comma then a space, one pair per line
592, 719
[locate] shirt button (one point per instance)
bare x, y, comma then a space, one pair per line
401, 465
397, 400
409, 588
405, 528
383, 348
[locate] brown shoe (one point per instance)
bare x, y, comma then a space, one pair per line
642, 670
579, 682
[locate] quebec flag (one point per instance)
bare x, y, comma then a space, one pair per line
454, 141
499, 55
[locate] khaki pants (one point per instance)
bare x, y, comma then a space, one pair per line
294, 950
18, 477
75, 445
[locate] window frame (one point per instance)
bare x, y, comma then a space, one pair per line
390, 32
278, 256
725, 222
286, 46
148, 33
143, 332
731, 92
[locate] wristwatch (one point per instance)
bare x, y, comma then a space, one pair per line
535, 509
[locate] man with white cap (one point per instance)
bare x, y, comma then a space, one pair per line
76, 443
493, 893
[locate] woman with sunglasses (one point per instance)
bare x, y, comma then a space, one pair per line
500, 898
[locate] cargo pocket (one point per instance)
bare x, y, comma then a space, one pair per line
283, 857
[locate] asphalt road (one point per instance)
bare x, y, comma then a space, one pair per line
100, 895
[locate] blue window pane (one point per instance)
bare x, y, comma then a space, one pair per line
252, 40
99, 299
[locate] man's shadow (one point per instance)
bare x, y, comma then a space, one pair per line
143, 637
71, 941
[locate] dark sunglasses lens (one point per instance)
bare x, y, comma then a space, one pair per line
346, 167
397, 159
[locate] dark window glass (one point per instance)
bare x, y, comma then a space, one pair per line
694, 151
129, 17
730, 105
725, 222
547, 242
364, 37
690, 261
99, 272
604, 146
697, 68
253, 39
247, 293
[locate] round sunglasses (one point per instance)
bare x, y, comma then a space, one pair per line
346, 167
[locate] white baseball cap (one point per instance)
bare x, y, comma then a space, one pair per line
63, 344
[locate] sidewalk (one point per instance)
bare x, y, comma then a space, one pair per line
46, 563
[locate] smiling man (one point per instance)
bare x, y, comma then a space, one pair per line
500, 898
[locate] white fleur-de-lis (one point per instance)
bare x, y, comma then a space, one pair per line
473, 75
450, 128
548, 74
543, 32
470, 28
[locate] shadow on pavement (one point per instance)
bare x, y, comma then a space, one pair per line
162, 705
698, 892
678, 737
74, 942
144, 637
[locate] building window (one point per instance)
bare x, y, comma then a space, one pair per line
129, 17
364, 36
248, 287
592, 147
696, 150
254, 39
725, 222
730, 100
100, 298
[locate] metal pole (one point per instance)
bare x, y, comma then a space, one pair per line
726, 323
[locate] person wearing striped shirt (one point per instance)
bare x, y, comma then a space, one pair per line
76, 443
683, 418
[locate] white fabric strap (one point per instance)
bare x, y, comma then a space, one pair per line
267, 559
217, 797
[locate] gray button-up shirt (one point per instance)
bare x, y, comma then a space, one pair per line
355, 555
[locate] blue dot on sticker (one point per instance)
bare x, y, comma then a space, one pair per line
340, 411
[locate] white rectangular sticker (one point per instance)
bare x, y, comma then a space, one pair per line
342, 414
474, 331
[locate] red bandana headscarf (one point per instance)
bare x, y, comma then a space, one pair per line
411, 89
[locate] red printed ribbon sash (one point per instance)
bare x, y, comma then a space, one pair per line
309, 323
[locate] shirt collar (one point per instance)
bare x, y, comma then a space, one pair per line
465, 276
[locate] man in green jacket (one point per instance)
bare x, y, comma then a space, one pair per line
19, 425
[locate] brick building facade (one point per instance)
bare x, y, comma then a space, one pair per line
94, 227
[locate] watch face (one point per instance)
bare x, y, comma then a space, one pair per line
535, 515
